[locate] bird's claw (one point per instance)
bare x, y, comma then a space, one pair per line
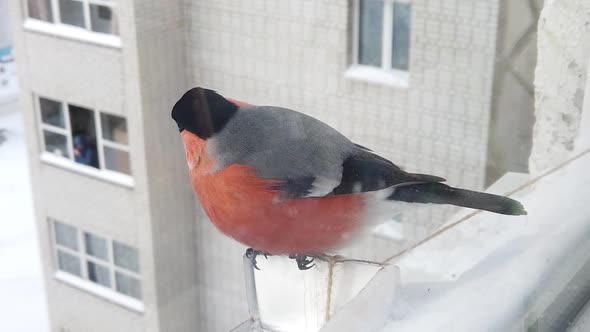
303, 262
252, 254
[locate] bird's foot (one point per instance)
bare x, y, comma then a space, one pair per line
253, 253
303, 262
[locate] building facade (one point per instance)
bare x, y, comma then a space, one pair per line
116, 216
124, 244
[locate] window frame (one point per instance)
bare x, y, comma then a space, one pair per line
384, 74
102, 142
68, 162
66, 131
56, 27
83, 282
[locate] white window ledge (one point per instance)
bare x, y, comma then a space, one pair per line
105, 175
103, 292
393, 78
72, 32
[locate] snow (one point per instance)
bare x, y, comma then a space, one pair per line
22, 303
492, 272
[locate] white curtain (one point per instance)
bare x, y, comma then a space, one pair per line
40, 9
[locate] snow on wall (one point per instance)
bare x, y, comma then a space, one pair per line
560, 79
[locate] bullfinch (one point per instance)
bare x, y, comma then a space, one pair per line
284, 183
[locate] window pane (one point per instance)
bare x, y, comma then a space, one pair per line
96, 246
68, 263
116, 160
40, 9
401, 36
370, 32
66, 235
126, 256
99, 274
51, 112
83, 136
103, 19
114, 128
56, 143
72, 12
128, 285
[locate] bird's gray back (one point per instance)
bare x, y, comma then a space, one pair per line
281, 144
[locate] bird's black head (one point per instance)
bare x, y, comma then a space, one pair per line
203, 112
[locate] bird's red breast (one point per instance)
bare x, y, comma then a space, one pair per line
245, 207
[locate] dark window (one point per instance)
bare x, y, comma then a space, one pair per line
370, 32
400, 44
102, 19
83, 136
72, 13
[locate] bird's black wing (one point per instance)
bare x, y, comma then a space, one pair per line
367, 171
363, 171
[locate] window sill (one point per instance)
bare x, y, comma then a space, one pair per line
105, 175
103, 292
71, 32
392, 78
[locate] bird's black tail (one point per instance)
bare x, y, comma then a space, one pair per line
438, 193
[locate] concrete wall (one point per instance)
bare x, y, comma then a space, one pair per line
512, 113
295, 54
560, 80
583, 140
162, 76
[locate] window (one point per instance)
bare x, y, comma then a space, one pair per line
114, 141
84, 136
40, 9
382, 34
66, 245
92, 15
96, 259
